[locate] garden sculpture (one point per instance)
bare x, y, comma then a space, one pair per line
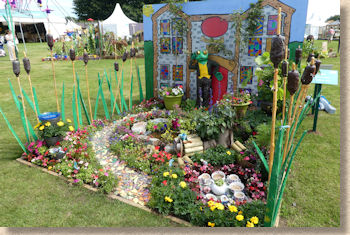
205, 69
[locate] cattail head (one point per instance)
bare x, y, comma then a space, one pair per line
26, 64
318, 65
293, 81
310, 56
285, 68
309, 73
49, 39
72, 54
125, 56
116, 66
16, 67
85, 57
298, 55
277, 50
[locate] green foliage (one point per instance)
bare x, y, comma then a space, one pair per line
47, 130
188, 105
179, 22
256, 117
218, 156
335, 17
242, 131
95, 9
309, 47
255, 208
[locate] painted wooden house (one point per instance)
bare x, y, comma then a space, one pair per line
167, 54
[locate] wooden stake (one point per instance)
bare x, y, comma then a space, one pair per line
24, 107
284, 89
88, 89
76, 92
274, 106
31, 90
54, 80
117, 94
131, 62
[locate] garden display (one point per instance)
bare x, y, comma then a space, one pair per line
211, 164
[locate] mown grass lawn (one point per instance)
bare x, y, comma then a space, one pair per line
31, 198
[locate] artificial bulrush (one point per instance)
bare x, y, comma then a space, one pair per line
16, 67
277, 50
86, 58
310, 57
318, 64
116, 66
72, 54
49, 39
125, 56
308, 74
298, 55
26, 65
285, 68
132, 52
293, 81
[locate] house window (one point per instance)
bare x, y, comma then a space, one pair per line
254, 46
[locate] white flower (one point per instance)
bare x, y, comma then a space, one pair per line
81, 162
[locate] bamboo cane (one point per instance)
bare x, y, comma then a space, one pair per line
31, 88
131, 62
274, 106
284, 89
303, 93
87, 85
54, 80
117, 95
75, 84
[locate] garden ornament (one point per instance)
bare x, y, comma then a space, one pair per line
205, 69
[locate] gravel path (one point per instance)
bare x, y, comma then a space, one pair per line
132, 184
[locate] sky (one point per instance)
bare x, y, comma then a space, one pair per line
318, 10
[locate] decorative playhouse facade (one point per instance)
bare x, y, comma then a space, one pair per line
167, 54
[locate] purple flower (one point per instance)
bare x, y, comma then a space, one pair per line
76, 180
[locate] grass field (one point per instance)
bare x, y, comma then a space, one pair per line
31, 198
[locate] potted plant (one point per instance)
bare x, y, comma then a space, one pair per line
53, 132
172, 96
240, 102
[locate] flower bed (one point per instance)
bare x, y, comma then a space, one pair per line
143, 157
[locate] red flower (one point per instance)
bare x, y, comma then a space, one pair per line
58, 143
254, 133
132, 119
165, 182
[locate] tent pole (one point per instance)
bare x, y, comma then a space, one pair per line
37, 32
24, 41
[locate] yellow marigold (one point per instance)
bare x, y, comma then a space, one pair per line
212, 208
68, 120
239, 217
60, 123
211, 224
240, 213
249, 224
184, 172
232, 208
48, 124
49, 168
228, 152
165, 174
220, 206
254, 220
41, 128
211, 203
174, 176
200, 208
37, 125
183, 184
71, 128
168, 199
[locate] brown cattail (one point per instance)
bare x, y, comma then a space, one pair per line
16, 67
116, 66
318, 64
308, 74
72, 54
310, 57
293, 81
298, 55
26, 64
86, 57
132, 52
285, 68
49, 39
125, 56
277, 50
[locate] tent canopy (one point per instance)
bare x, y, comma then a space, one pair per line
118, 23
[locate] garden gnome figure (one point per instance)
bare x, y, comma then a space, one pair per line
205, 69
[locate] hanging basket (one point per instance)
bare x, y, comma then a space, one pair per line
170, 101
241, 109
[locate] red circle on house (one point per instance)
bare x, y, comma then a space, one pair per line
214, 27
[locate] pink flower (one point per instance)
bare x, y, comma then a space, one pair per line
167, 93
106, 174
155, 127
76, 180
75, 171
246, 158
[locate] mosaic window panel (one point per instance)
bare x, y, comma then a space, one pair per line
165, 46
272, 25
268, 44
165, 27
173, 28
164, 72
177, 45
178, 71
246, 73
163, 85
254, 46
260, 29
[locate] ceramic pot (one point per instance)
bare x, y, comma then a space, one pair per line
170, 101
232, 178
241, 109
218, 175
219, 190
236, 187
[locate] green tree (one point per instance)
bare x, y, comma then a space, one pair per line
335, 17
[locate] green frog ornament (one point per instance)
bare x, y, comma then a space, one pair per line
205, 69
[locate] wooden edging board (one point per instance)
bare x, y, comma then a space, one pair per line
111, 195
